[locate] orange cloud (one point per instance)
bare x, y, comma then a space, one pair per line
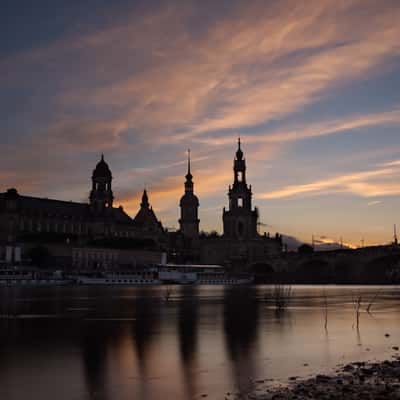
362, 184
318, 129
256, 64
165, 195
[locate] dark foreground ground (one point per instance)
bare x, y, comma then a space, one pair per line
360, 380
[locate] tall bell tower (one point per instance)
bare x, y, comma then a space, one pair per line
189, 204
240, 220
101, 196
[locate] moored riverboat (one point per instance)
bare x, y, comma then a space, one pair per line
165, 274
142, 277
27, 276
201, 274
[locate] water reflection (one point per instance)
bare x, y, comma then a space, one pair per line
94, 349
130, 343
241, 317
146, 312
187, 336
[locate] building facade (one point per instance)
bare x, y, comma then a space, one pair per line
29, 221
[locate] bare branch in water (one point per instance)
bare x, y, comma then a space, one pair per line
280, 296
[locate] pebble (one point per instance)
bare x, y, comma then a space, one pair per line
359, 380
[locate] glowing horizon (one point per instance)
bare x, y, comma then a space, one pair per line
312, 89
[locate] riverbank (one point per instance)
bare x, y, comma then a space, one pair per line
358, 380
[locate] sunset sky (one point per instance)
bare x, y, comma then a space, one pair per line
312, 88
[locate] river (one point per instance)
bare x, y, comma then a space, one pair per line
119, 343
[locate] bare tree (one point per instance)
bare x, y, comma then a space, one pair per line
357, 302
280, 296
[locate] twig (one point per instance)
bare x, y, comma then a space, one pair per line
326, 310
368, 309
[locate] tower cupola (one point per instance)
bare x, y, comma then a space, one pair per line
239, 152
101, 196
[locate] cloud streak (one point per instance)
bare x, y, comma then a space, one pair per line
364, 184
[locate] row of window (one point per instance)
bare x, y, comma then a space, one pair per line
28, 225
103, 256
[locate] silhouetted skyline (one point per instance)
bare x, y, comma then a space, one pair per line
312, 88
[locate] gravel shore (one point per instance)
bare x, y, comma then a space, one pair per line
359, 380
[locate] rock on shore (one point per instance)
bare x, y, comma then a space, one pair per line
378, 381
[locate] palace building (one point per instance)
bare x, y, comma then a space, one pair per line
98, 234
26, 219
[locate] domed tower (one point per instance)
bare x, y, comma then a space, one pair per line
101, 196
189, 221
240, 220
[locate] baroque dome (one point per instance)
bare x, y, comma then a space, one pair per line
102, 169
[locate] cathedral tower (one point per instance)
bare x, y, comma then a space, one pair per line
189, 221
101, 196
240, 220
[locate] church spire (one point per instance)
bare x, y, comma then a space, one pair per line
145, 200
239, 152
240, 220
189, 221
189, 176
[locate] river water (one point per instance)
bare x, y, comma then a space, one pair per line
183, 342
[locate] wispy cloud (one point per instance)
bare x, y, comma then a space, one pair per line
257, 64
365, 184
374, 203
144, 87
316, 129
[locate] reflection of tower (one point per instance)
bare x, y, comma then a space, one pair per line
147, 317
187, 328
189, 221
101, 196
94, 348
240, 221
241, 317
